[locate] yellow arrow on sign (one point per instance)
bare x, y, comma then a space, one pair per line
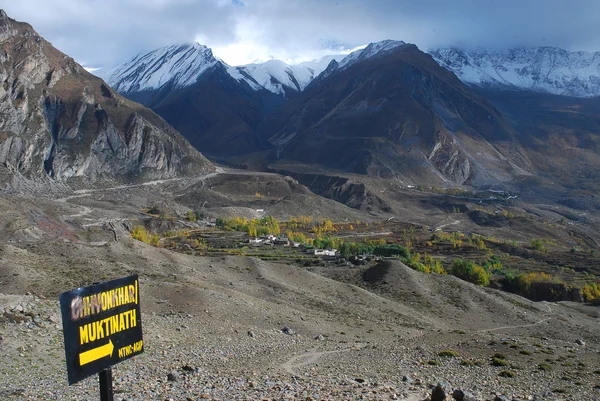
96, 353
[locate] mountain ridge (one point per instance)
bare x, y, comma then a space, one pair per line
546, 69
181, 65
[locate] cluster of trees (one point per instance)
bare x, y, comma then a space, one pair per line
425, 264
326, 226
348, 249
300, 221
298, 237
522, 283
254, 227
591, 291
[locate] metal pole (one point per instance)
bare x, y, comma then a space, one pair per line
106, 389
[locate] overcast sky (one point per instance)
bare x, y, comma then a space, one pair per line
106, 32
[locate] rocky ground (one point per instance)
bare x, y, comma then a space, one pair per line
233, 328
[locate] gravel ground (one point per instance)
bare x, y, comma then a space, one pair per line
187, 359
236, 328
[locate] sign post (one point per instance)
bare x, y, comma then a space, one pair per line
102, 326
106, 391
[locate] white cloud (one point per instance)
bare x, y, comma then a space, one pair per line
101, 32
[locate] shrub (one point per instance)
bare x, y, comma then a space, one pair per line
156, 211
545, 367
507, 373
525, 352
493, 264
469, 271
141, 234
538, 245
191, 215
448, 353
499, 362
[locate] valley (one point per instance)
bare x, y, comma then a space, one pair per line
372, 225
261, 323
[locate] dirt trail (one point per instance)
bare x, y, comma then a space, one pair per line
85, 192
447, 224
86, 210
311, 357
521, 326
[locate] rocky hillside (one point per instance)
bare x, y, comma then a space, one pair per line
549, 70
396, 113
60, 121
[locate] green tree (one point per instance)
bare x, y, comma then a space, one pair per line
469, 271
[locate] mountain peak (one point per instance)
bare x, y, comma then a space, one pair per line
177, 64
373, 49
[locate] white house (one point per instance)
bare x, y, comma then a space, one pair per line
325, 252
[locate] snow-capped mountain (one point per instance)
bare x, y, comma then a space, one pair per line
539, 69
179, 65
372, 50
275, 75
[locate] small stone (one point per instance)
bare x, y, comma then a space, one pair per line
501, 398
439, 391
320, 337
187, 368
580, 342
359, 380
460, 395
173, 376
251, 334
287, 330
407, 379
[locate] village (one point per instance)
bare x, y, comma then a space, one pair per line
271, 240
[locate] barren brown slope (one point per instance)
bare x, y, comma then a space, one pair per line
398, 115
60, 121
